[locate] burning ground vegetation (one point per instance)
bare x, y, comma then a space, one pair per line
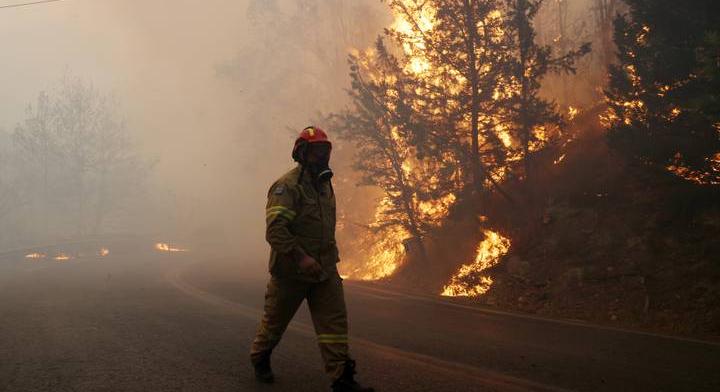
606, 209
102, 252
63, 256
165, 247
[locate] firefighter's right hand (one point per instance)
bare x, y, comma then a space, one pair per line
310, 266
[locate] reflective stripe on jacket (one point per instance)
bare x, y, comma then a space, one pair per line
300, 214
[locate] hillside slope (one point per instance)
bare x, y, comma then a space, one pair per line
598, 240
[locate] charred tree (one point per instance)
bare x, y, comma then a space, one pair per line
530, 115
662, 97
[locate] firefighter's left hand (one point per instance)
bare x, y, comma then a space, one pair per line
310, 266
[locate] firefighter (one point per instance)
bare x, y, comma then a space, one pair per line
300, 227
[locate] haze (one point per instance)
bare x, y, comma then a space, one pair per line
527, 193
202, 92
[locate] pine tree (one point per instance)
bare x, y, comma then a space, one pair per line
457, 51
660, 96
381, 122
531, 116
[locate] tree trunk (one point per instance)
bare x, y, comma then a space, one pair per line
563, 45
524, 44
470, 45
605, 11
413, 226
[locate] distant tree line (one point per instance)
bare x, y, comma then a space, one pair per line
70, 168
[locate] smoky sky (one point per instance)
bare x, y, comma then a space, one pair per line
200, 92
211, 90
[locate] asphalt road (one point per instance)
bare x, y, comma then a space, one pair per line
143, 321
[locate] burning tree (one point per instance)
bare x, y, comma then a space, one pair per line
444, 115
662, 109
481, 71
417, 190
531, 116
458, 50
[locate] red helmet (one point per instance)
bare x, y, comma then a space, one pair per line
311, 134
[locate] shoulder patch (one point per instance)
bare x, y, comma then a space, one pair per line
279, 190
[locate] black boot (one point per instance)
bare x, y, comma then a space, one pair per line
347, 383
263, 371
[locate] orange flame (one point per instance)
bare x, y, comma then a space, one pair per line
387, 252
696, 176
415, 44
386, 255
165, 247
35, 256
62, 257
573, 112
468, 282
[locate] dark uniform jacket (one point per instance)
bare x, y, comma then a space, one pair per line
300, 213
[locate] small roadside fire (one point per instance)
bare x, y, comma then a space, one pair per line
104, 252
165, 247
468, 281
35, 256
61, 257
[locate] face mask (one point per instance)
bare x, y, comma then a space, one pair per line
321, 171
320, 168
325, 175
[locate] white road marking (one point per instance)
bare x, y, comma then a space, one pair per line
482, 376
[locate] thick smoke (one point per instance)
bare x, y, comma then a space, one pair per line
211, 91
